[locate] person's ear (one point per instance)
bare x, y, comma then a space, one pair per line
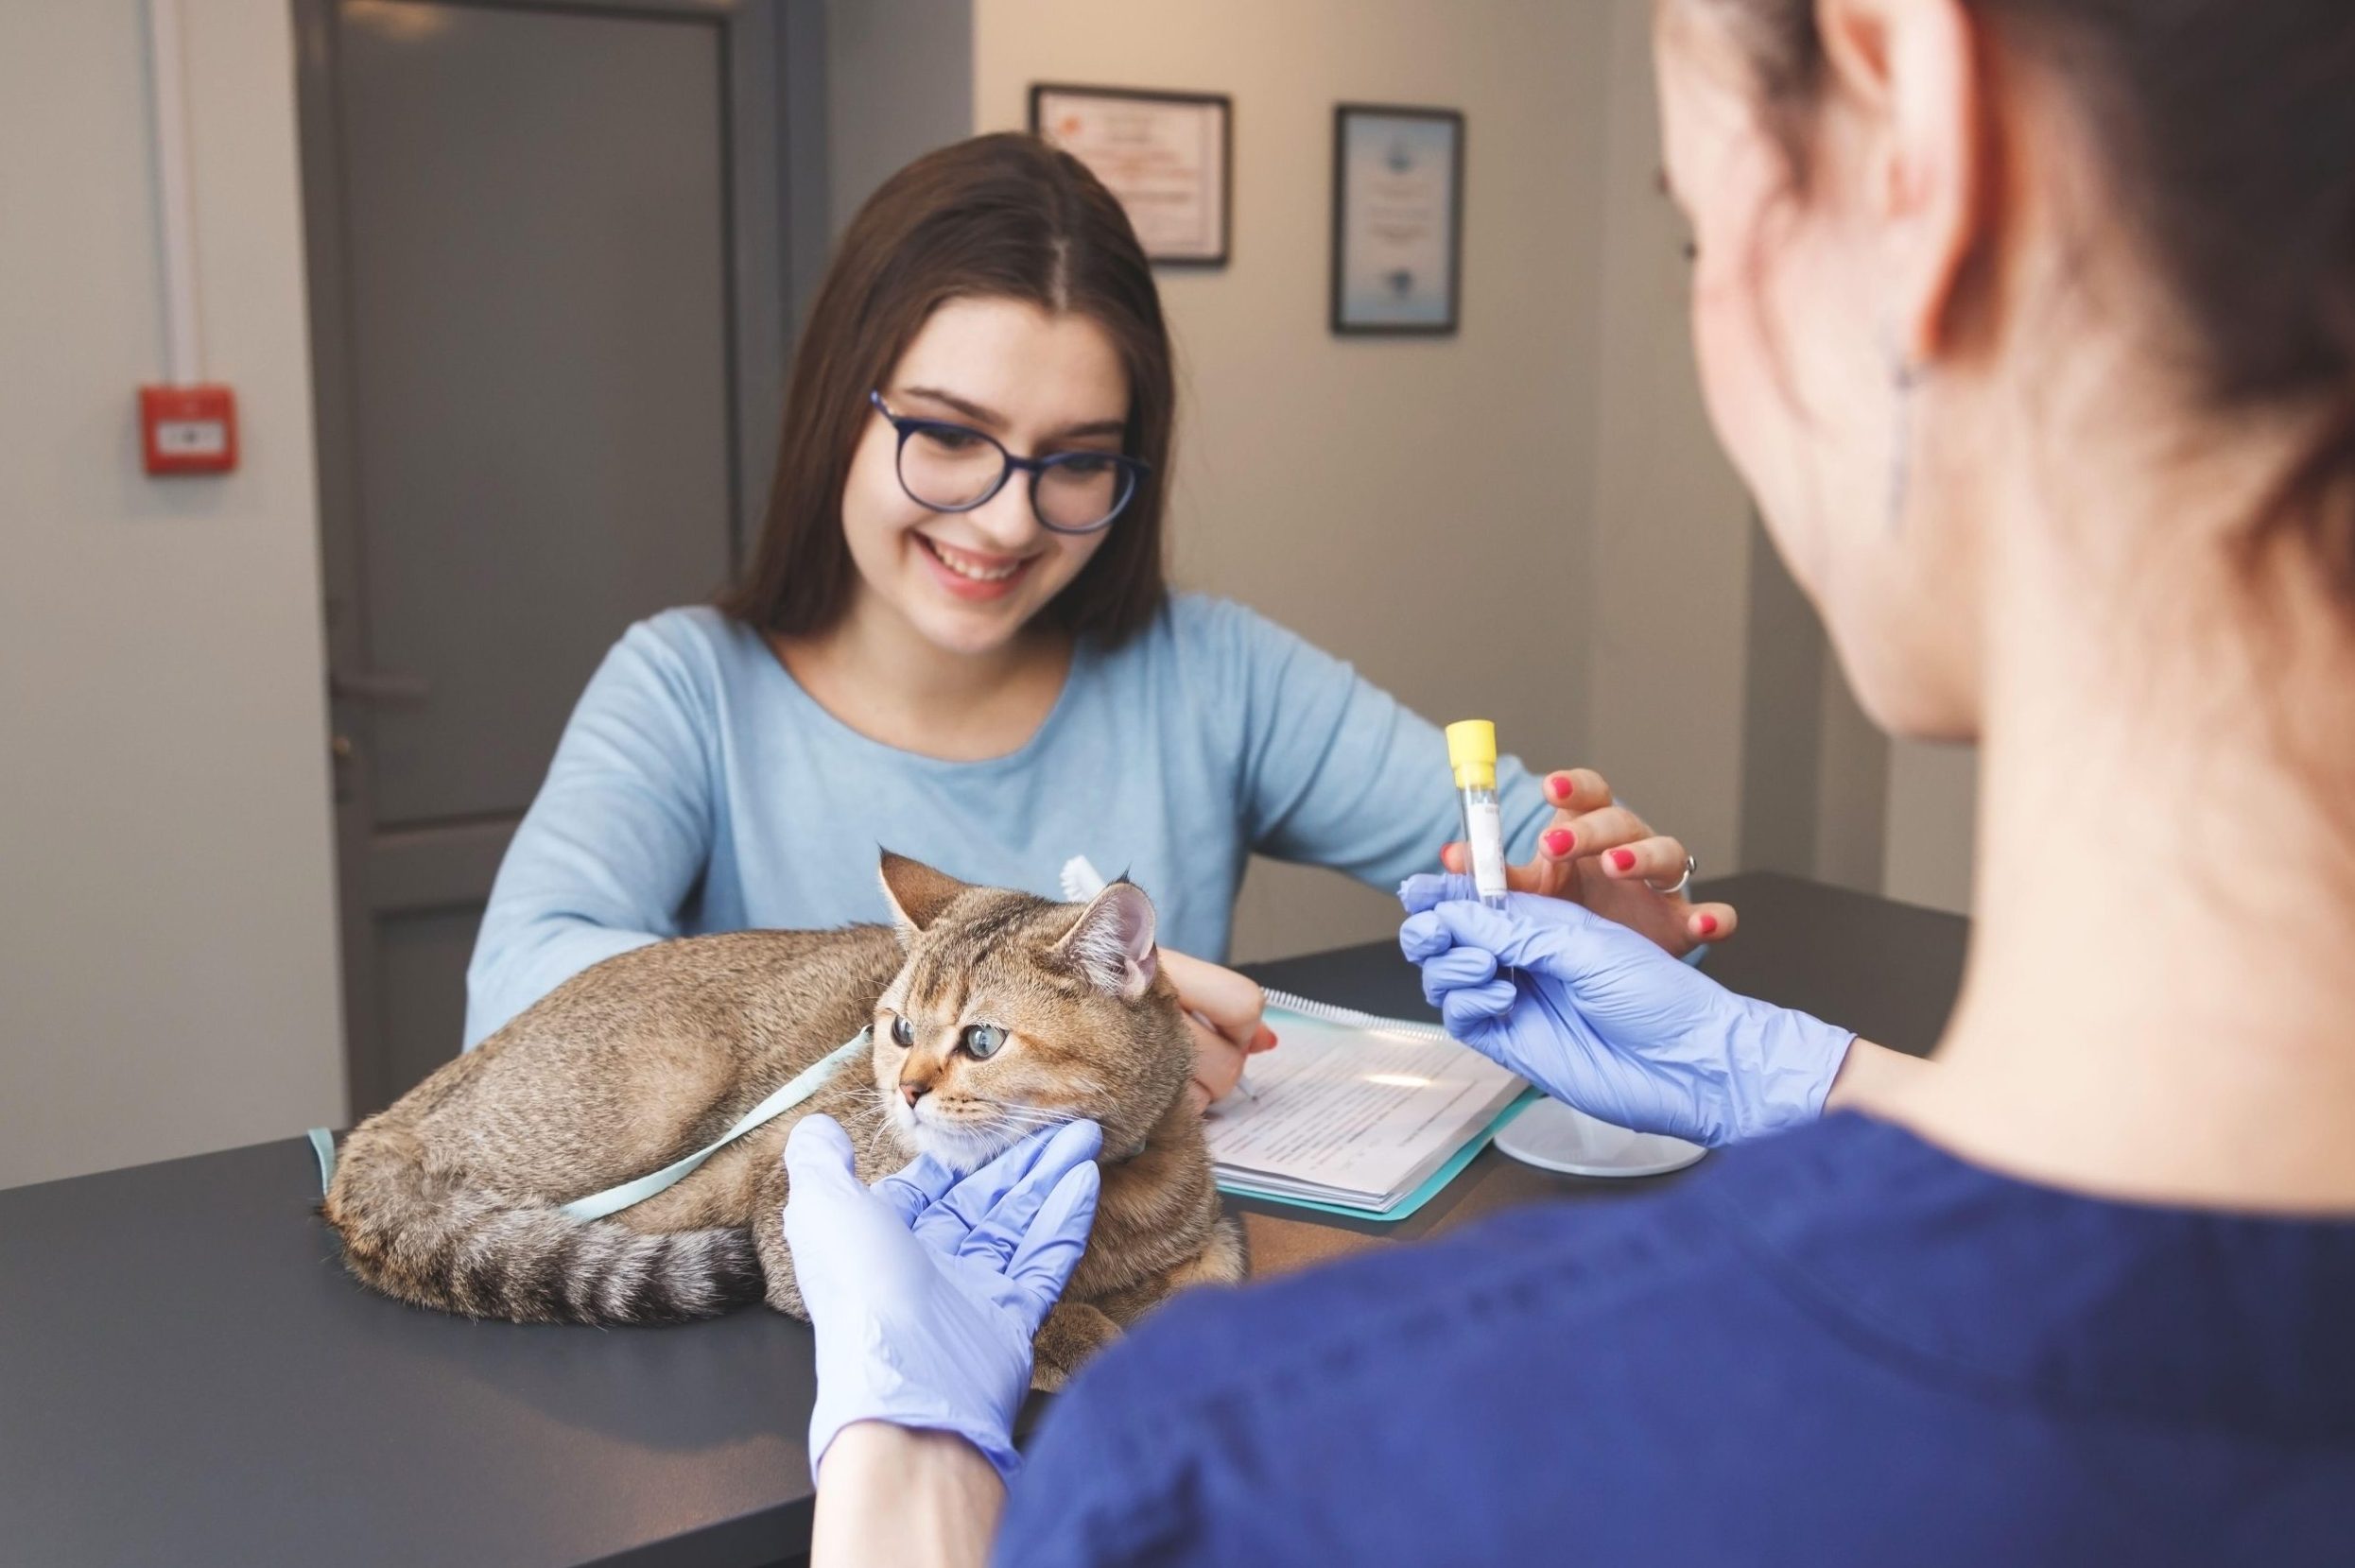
1914, 73
1112, 941
916, 892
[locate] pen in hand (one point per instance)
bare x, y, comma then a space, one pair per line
1262, 1039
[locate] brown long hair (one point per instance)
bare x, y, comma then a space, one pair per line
1002, 216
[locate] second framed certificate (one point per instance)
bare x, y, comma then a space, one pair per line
1166, 155
1397, 218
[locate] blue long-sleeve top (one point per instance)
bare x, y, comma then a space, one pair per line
697, 789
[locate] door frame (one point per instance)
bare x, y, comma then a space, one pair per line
774, 156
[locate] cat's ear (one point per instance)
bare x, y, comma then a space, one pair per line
1113, 940
916, 892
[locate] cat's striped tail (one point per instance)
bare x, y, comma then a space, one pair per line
432, 1238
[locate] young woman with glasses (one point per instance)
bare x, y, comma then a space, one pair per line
954, 639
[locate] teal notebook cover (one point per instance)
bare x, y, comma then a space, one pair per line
1413, 1200
1282, 1001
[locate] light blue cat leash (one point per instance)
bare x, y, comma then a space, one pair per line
613, 1199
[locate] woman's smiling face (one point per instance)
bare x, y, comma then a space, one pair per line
1038, 383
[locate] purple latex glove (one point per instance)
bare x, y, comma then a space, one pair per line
927, 1289
1601, 1018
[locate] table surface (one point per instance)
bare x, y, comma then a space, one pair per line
190, 1375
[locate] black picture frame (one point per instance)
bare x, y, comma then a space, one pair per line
1341, 322
1222, 102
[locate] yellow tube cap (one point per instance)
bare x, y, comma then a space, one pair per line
1472, 752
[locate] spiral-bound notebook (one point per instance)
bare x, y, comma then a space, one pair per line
1357, 1114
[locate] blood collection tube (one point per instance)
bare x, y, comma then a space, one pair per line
1472, 752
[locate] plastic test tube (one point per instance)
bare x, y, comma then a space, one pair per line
1472, 752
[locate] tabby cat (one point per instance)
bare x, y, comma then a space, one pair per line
993, 1013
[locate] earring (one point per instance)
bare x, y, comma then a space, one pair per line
1904, 375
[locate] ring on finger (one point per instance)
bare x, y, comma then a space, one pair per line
1682, 882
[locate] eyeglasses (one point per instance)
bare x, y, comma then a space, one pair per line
946, 467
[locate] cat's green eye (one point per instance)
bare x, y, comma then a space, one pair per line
903, 1032
981, 1040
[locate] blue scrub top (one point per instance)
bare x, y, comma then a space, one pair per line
1838, 1346
697, 787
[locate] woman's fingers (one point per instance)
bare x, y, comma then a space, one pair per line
1465, 1012
1006, 1209
1575, 791
1222, 1011
1603, 829
1541, 874
1217, 1060
1232, 1003
1550, 875
1596, 852
1658, 860
1040, 1157
1454, 970
1711, 923
1576, 794
1050, 1247
1553, 872
913, 1188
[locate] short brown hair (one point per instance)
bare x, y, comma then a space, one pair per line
1002, 216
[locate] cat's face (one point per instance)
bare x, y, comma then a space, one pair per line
1015, 1013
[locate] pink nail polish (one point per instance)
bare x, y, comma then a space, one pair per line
1560, 842
1624, 859
1708, 925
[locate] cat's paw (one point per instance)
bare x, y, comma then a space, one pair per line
1226, 1260
1072, 1332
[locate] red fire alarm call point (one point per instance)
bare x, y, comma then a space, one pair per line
188, 429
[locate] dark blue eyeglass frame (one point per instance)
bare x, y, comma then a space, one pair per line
1132, 470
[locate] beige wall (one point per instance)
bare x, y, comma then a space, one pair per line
1417, 507
167, 967
1669, 573
1933, 792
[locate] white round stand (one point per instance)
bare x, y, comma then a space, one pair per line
1553, 1137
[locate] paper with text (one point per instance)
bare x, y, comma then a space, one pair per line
1355, 1114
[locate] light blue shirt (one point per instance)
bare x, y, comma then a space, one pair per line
698, 788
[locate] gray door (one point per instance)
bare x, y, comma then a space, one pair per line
548, 289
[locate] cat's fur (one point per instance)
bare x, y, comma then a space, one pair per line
449, 1198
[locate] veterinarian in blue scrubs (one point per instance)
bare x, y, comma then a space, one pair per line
954, 639
2031, 325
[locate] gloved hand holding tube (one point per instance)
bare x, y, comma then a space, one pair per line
1601, 1018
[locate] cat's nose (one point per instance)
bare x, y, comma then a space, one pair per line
912, 1090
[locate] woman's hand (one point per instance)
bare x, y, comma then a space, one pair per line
1601, 1019
1599, 854
927, 1289
1222, 1011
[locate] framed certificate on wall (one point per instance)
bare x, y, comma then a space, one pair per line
1397, 218
1168, 156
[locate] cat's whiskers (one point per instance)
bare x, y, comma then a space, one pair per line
1010, 1106
1018, 1118
882, 1126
